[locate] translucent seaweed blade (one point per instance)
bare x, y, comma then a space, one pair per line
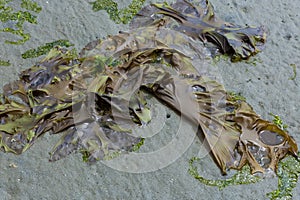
238, 42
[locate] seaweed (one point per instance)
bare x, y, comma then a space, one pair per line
13, 20
31, 5
235, 96
96, 99
118, 15
278, 121
243, 176
44, 49
198, 20
4, 63
288, 173
288, 170
294, 72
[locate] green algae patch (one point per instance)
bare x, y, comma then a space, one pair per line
137, 146
241, 177
278, 121
118, 15
13, 20
288, 174
294, 71
4, 63
236, 96
42, 50
31, 5
253, 61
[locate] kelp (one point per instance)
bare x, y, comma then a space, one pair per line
197, 19
97, 98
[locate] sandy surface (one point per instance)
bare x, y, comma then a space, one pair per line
266, 86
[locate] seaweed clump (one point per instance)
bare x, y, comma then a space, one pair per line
97, 98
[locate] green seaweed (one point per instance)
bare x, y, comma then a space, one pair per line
253, 61
118, 15
241, 177
218, 57
278, 121
288, 174
85, 155
8, 14
42, 50
137, 146
235, 96
294, 71
4, 63
31, 5
19, 32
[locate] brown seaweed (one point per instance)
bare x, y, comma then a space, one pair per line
96, 98
197, 19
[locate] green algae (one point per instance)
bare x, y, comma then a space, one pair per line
235, 96
85, 155
288, 174
253, 61
123, 15
278, 121
294, 71
241, 177
4, 63
44, 49
137, 146
13, 20
31, 5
